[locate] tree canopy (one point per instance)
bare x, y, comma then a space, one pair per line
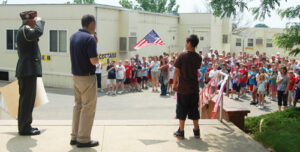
158, 6
290, 39
261, 25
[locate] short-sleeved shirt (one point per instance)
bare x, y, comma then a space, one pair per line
128, 69
203, 71
155, 66
273, 81
298, 82
283, 84
82, 47
98, 69
120, 73
139, 71
252, 79
112, 73
188, 62
172, 70
145, 71
244, 76
133, 71
292, 83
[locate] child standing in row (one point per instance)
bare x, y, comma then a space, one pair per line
262, 81
172, 69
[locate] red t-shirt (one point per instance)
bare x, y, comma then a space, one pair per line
292, 83
257, 64
248, 66
244, 76
127, 71
298, 77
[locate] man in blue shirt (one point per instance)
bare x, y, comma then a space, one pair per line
83, 51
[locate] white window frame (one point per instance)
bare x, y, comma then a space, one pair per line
252, 42
269, 43
236, 42
5, 31
67, 42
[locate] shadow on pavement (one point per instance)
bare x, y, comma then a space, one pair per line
75, 149
21, 143
60, 91
193, 144
148, 142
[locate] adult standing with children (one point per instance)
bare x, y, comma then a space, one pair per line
84, 58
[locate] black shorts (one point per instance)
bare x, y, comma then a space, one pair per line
282, 98
236, 87
187, 105
127, 81
139, 79
145, 78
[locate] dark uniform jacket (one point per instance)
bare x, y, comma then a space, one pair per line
29, 63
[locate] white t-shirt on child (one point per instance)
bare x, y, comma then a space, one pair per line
120, 74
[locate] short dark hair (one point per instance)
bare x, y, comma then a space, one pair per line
193, 39
86, 20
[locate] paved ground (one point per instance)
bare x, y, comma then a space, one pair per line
130, 122
131, 106
130, 136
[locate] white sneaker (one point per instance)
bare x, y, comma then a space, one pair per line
262, 107
107, 93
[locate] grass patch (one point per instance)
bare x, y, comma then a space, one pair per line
280, 130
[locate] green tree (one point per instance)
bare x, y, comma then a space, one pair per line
290, 39
261, 25
84, 1
158, 6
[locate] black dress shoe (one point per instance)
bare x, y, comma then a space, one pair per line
35, 128
32, 132
89, 144
73, 142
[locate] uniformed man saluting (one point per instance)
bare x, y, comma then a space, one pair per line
29, 67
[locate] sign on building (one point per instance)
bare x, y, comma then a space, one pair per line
46, 57
106, 58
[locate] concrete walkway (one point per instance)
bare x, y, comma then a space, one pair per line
130, 136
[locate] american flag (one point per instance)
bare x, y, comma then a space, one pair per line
151, 38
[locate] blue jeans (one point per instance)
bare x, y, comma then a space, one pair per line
163, 88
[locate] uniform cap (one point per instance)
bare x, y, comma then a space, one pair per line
28, 15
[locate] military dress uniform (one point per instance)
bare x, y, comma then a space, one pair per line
28, 69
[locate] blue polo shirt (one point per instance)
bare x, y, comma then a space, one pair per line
82, 47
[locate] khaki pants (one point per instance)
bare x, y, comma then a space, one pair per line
85, 107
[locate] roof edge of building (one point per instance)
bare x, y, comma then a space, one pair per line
102, 6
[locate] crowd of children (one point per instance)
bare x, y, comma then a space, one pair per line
275, 77
138, 74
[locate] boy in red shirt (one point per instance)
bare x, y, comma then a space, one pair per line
291, 88
128, 70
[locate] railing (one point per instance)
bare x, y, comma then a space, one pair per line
207, 93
